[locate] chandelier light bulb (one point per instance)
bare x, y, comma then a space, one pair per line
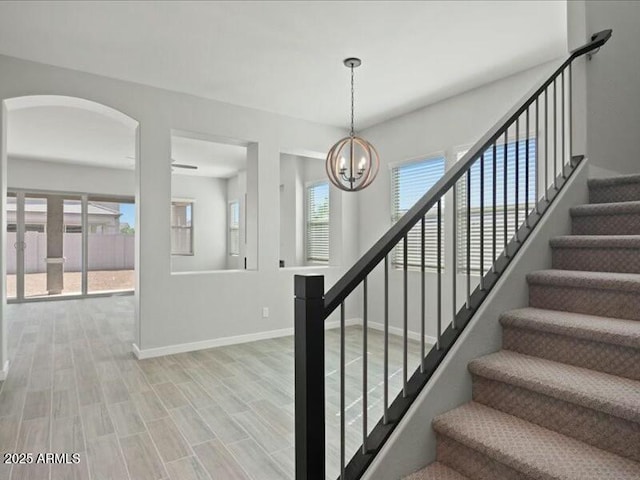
352, 163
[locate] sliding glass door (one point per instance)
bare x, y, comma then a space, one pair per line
14, 248
62, 244
32, 223
111, 245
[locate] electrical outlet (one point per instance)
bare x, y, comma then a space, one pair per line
265, 312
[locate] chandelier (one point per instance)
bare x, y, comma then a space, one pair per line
352, 163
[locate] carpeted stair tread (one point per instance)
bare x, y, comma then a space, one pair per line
624, 188
532, 450
601, 209
613, 181
616, 396
625, 333
625, 282
436, 471
596, 241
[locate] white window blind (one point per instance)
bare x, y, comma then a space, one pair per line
317, 223
488, 202
234, 229
181, 228
409, 182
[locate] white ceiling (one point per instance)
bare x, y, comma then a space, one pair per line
75, 135
212, 159
286, 56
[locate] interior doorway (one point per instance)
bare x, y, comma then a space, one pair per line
62, 245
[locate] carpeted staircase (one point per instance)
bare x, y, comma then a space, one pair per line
562, 399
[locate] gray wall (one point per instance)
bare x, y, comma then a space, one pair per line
613, 87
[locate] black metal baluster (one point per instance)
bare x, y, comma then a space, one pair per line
342, 392
494, 187
555, 135
546, 145
504, 193
405, 329
454, 255
386, 340
517, 181
364, 368
468, 212
482, 221
570, 119
439, 274
422, 293
526, 172
537, 157
563, 129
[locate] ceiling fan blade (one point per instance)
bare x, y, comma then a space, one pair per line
182, 165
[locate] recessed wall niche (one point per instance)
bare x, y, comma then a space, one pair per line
305, 220
213, 204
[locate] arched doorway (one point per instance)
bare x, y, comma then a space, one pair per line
69, 201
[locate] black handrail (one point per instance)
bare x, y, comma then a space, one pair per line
356, 274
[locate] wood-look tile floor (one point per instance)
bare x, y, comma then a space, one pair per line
217, 414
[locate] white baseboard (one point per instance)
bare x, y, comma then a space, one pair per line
4, 372
142, 354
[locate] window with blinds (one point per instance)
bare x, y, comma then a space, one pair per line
181, 228
317, 223
409, 182
461, 189
234, 228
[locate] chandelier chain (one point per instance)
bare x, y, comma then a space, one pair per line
352, 94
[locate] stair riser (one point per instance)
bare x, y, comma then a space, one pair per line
618, 260
599, 429
592, 301
629, 192
603, 357
473, 463
606, 225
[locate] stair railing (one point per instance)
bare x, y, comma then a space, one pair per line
500, 189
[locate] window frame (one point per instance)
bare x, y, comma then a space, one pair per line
184, 202
307, 187
459, 152
231, 229
432, 214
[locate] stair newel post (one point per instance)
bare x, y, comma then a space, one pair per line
309, 377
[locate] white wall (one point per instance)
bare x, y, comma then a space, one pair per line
47, 175
187, 308
439, 129
613, 87
209, 196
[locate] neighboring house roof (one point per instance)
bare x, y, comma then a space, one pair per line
72, 208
